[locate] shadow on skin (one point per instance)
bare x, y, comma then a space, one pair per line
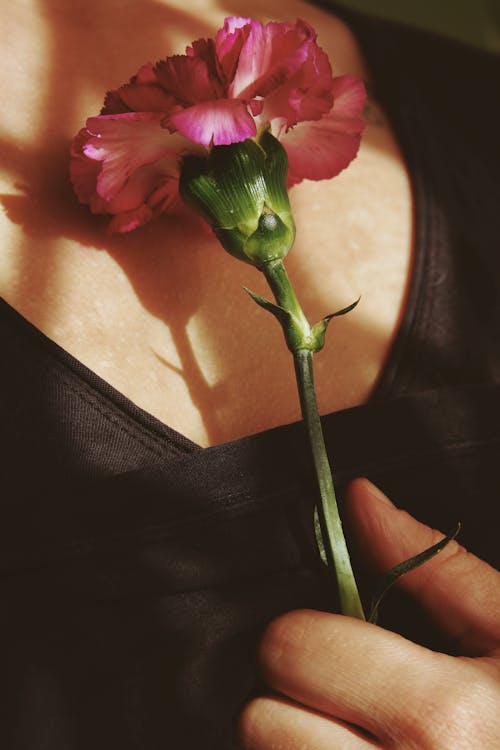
45, 205
41, 170
47, 211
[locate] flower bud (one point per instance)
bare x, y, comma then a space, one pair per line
240, 190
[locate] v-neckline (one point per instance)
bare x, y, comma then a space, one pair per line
405, 139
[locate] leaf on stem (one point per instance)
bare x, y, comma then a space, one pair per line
318, 330
279, 312
404, 567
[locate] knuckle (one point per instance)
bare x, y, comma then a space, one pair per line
460, 714
283, 633
248, 721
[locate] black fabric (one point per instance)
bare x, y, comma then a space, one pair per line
138, 570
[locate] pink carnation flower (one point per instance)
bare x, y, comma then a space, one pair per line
251, 76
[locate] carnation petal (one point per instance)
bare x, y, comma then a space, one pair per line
143, 187
231, 24
127, 221
218, 122
222, 91
320, 149
306, 92
349, 96
115, 103
84, 173
271, 55
228, 43
147, 194
124, 143
146, 98
191, 78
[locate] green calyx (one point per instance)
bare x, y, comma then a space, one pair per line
240, 190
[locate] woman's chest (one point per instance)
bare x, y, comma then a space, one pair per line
161, 314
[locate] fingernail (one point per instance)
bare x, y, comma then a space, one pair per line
378, 494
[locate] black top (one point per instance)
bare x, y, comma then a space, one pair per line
138, 569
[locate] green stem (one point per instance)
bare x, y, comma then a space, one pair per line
300, 342
299, 331
331, 525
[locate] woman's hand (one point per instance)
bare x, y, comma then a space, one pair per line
346, 684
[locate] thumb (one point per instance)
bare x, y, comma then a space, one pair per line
461, 592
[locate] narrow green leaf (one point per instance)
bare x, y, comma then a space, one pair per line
343, 311
279, 312
318, 334
404, 567
318, 331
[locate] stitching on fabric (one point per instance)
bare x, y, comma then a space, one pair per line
84, 393
145, 439
52, 363
247, 502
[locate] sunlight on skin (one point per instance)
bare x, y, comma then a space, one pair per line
121, 304
362, 254
22, 81
24, 75
197, 338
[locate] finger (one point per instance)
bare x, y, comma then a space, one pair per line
268, 723
461, 592
351, 670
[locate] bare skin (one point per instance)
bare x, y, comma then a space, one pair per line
160, 314
343, 683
